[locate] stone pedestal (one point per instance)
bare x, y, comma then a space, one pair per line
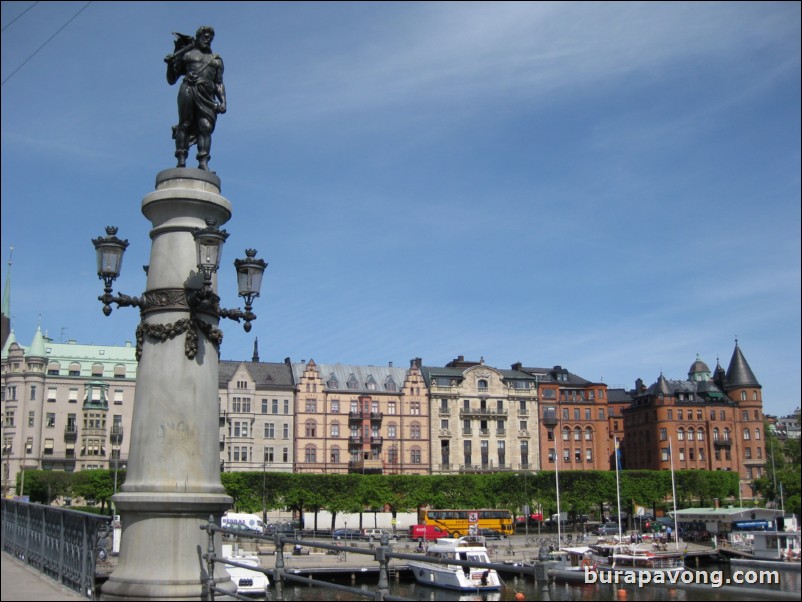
173, 482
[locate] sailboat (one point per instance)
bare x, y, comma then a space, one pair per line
631, 556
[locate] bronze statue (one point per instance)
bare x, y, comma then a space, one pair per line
199, 94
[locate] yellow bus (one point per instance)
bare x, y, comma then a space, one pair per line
459, 522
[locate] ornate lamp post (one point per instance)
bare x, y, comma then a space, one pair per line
173, 476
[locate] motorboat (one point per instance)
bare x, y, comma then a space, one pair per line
248, 582
766, 549
436, 569
633, 557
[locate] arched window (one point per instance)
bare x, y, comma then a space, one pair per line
726, 434
482, 384
577, 434
700, 435
747, 436
743, 395
757, 433
566, 434
680, 434
588, 434
691, 433
715, 434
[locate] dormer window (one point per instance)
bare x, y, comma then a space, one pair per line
389, 384
333, 383
352, 382
371, 384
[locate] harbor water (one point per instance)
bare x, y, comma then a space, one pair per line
406, 587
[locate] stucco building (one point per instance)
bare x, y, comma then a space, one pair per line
66, 406
257, 415
365, 419
483, 418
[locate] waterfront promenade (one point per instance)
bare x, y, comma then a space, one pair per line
21, 582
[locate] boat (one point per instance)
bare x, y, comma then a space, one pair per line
767, 549
443, 574
248, 582
635, 558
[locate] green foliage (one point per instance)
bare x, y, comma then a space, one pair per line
780, 482
44, 486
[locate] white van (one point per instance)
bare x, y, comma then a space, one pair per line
243, 522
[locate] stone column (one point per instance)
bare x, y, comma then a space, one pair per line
173, 479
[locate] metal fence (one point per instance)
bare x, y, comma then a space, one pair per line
62, 544
382, 554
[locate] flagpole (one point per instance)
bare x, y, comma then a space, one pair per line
673, 494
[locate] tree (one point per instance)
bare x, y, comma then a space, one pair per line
95, 485
44, 486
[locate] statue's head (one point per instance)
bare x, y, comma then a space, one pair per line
205, 29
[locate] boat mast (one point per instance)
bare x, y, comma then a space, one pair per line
618, 489
674, 494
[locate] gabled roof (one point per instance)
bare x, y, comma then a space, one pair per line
361, 376
265, 375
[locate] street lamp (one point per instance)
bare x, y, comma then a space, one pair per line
200, 300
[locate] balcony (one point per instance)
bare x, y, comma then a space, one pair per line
373, 466
355, 439
444, 411
482, 413
116, 434
355, 416
376, 440
376, 415
549, 419
70, 433
441, 390
722, 442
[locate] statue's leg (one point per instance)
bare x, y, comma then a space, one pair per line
204, 143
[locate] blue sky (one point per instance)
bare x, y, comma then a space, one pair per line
610, 187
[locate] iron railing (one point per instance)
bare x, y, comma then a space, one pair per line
63, 544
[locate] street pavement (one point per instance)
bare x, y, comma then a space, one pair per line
21, 582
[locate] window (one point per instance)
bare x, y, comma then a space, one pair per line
50, 420
391, 407
335, 406
264, 406
285, 431
414, 408
466, 452
269, 455
482, 385
270, 430
664, 454
682, 454
588, 455
310, 428
566, 434
335, 429
31, 419
748, 453
746, 435
310, 454
663, 434
578, 455
391, 432
671, 414
588, 434
335, 455
415, 455
75, 369
48, 449
524, 454
577, 434
414, 430
601, 413
286, 406
73, 398
502, 453
53, 368
587, 414
8, 419
680, 434
311, 406
285, 454
757, 433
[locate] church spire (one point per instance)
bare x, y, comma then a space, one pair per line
5, 311
255, 357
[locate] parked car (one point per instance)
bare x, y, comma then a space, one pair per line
491, 534
285, 528
608, 529
346, 534
376, 534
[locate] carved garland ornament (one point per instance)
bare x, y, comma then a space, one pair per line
162, 332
